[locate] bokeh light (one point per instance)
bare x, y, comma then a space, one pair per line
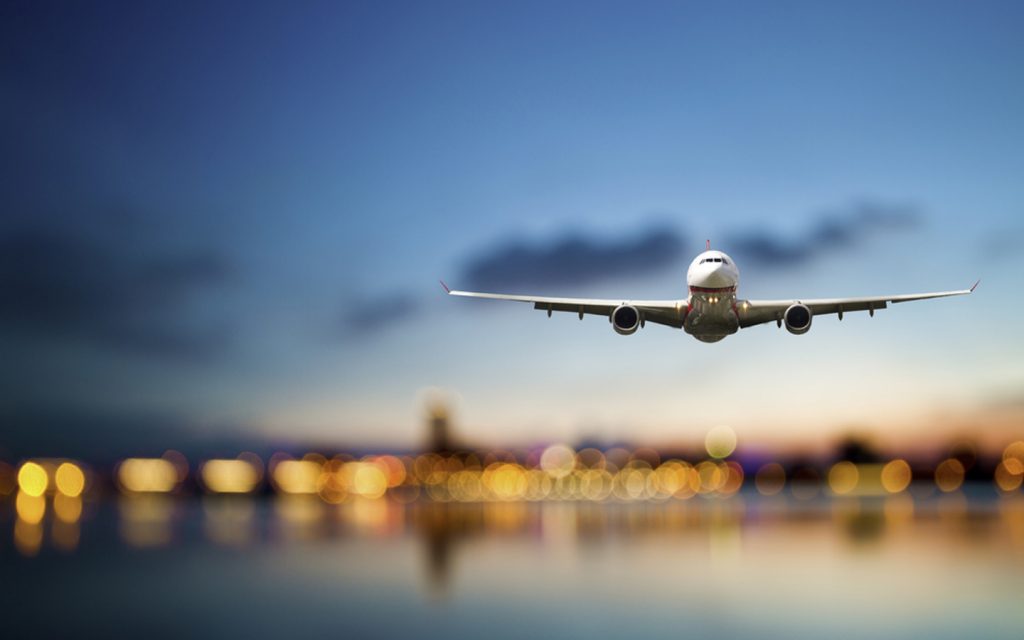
147, 475
30, 508
896, 476
230, 476
368, 480
558, 460
297, 476
33, 479
733, 478
70, 479
949, 475
1005, 477
842, 477
720, 442
1013, 457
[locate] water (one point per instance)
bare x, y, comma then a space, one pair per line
748, 566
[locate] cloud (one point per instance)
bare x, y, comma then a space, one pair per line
364, 316
58, 285
572, 259
1005, 244
833, 230
103, 436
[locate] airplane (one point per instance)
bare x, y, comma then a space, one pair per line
711, 311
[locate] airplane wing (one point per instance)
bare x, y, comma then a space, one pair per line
753, 312
667, 312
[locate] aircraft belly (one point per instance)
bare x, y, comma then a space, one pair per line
711, 317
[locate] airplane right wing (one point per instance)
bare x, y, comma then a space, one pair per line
753, 312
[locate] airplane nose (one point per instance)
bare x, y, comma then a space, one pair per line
716, 276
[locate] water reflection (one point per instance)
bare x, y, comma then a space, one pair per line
783, 562
229, 520
146, 519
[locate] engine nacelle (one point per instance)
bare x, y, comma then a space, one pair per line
798, 319
625, 319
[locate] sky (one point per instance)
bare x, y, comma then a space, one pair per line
226, 221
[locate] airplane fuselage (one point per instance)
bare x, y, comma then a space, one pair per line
712, 280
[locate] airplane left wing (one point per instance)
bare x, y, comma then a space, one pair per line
753, 312
667, 312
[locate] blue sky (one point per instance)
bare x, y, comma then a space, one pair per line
229, 218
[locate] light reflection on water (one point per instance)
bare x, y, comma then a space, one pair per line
747, 566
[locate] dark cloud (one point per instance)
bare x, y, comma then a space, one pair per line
363, 316
834, 230
579, 259
61, 285
573, 259
102, 436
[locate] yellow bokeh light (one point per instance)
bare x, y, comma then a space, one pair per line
896, 476
30, 508
297, 476
843, 477
1014, 451
70, 479
507, 482
733, 478
230, 476
770, 479
635, 482
1005, 479
67, 508
558, 460
711, 477
32, 479
369, 481
147, 475
596, 484
1014, 466
538, 484
671, 478
720, 442
393, 469
949, 475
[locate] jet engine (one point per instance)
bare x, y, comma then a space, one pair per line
625, 320
798, 319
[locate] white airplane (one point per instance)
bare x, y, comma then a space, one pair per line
711, 311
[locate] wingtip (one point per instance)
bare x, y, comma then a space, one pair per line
975, 285
444, 286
